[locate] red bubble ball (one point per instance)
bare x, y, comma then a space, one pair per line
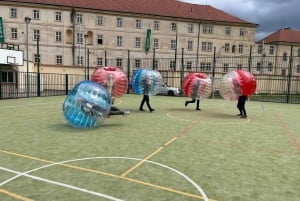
247, 82
112, 78
197, 85
237, 83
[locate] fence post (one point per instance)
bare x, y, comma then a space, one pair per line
213, 73
153, 61
289, 76
128, 69
67, 83
38, 84
250, 59
38, 66
105, 58
182, 70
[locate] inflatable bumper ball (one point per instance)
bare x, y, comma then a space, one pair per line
113, 79
236, 83
197, 85
87, 105
138, 81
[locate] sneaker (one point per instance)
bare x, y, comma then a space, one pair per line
198, 109
126, 113
186, 103
244, 116
142, 110
239, 115
151, 110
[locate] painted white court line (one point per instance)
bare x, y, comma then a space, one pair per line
61, 184
19, 174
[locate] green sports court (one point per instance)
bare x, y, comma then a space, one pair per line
174, 153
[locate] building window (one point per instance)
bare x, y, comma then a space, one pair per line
209, 46
225, 67
271, 50
137, 42
298, 69
173, 45
58, 36
260, 49
155, 43
241, 47
172, 65
190, 28
79, 18
119, 62
99, 61
119, 41
119, 22
258, 67
79, 38
7, 76
59, 59
100, 20
36, 34
189, 65
207, 29
284, 56
205, 66
156, 25
173, 26
138, 24
227, 31
137, 63
190, 45
100, 39
80, 60
58, 16
226, 47
36, 14
270, 67
206, 46
242, 32
14, 33
13, 13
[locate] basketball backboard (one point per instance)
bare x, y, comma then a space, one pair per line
11, 57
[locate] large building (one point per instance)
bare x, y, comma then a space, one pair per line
69, 31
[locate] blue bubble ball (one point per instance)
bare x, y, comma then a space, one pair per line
138, 79
87, 105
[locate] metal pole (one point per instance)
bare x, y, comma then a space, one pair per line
88, 64
27, 21
176, 40
38, 66
85, 57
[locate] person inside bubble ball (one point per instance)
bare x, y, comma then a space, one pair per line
241, 99
109, 85
90, 108
195, 95
147, 89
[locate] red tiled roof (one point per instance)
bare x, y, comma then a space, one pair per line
168, 8
282, 35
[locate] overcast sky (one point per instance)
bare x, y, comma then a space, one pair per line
271, 15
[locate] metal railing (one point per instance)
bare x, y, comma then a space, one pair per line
278, 78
